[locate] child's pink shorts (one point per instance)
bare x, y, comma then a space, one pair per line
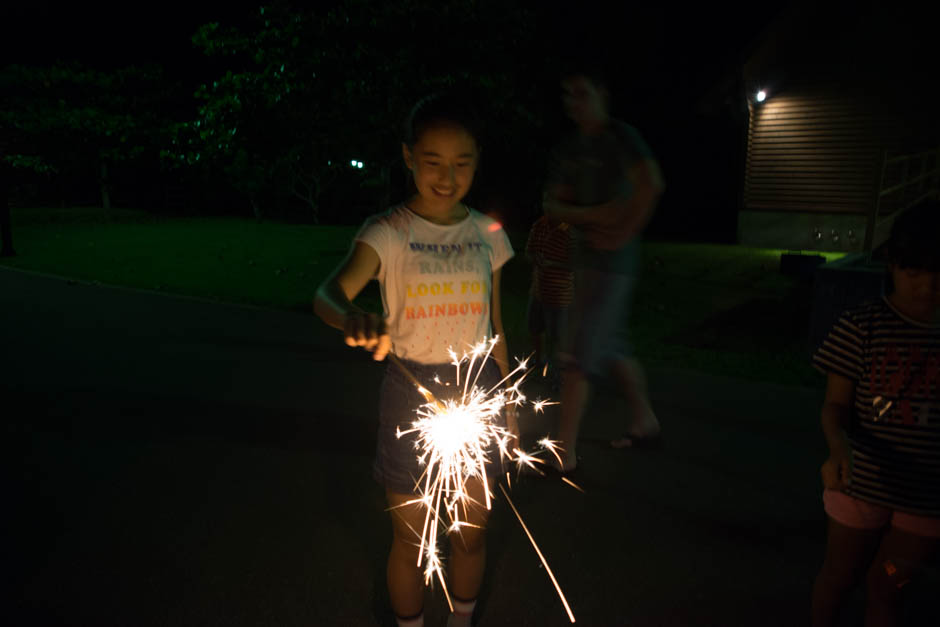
853, 512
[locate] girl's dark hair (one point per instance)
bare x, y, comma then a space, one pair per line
444, 108
915, 238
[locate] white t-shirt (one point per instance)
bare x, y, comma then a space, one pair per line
435, 280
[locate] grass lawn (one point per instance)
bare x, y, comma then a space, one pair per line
714, 308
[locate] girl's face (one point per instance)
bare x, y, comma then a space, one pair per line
916, 292
442, 162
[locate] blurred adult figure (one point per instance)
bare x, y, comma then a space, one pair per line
604, 181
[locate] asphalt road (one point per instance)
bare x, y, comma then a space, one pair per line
183, 462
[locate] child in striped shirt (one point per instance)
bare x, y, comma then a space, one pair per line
881, 419
550, 248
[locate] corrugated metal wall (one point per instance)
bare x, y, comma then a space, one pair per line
813, 151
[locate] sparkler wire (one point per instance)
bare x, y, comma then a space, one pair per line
426, 393
541, 557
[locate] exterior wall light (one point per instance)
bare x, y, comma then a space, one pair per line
761, 95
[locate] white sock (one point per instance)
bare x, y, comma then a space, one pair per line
463, 612
414, 621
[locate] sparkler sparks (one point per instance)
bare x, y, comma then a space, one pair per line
454, 440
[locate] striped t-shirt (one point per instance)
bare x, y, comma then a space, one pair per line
895, 434
551, 247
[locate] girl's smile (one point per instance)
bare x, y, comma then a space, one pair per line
443, 162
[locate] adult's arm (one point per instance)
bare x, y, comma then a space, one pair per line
646, 184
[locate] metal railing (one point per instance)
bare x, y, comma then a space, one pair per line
913, 177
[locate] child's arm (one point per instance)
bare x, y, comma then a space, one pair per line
500, 351
836, 413
528, 244
333, 302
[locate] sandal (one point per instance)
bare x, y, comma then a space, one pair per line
645, 442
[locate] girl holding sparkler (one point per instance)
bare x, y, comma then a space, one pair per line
881, 419
438, 267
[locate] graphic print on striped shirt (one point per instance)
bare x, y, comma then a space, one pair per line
894, 362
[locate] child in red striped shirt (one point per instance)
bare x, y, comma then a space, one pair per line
550, 248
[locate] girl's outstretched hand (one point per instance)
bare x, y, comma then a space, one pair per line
837, 470
369, 331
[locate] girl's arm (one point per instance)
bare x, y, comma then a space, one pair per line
333, 302
836, 413
501, 352
528, 244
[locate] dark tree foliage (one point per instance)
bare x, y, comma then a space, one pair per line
68, 121
6, 228
304, 93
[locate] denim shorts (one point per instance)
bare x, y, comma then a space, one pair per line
597, 328
396, 465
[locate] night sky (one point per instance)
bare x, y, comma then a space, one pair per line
671, 43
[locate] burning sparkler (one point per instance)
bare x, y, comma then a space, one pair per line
453, 438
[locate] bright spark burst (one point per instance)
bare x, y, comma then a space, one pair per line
539, 405
453, 438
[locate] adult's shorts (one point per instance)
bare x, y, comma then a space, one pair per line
597, 331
